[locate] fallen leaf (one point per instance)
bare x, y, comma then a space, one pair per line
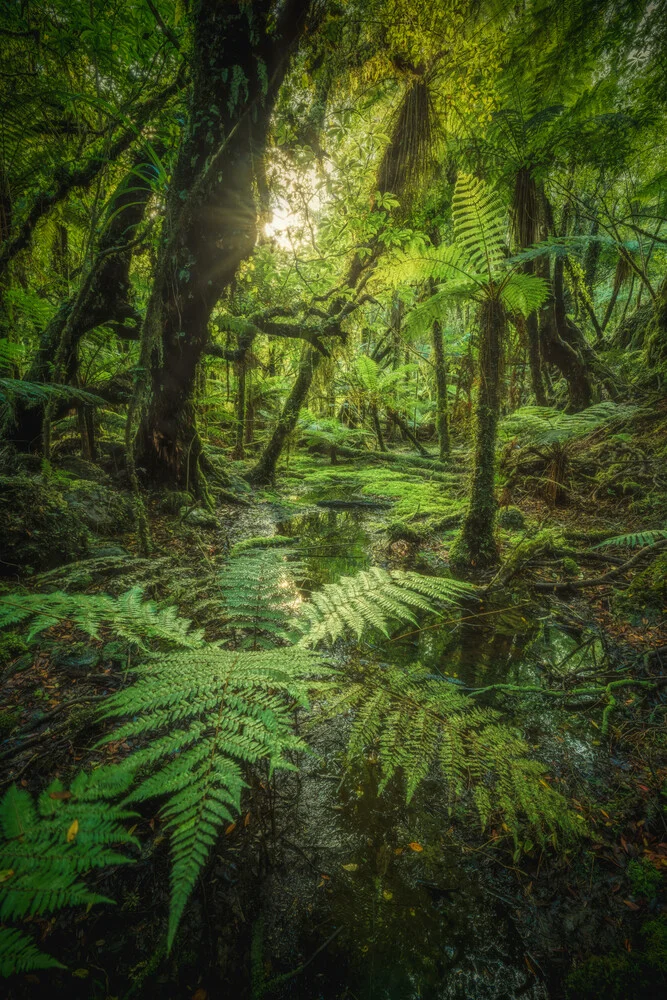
60, 796
387, 895
230, 829
350, 867
414, 846
630, 904
71, 834
199, 994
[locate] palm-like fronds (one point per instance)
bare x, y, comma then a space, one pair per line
44, 852
129, 616
204, 714
370, 600
480, 224
634, 540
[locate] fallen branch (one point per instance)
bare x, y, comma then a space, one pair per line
600, 581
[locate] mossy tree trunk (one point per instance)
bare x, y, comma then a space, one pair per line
103, 298
475, 545
264, 472
239, 449
442, 402
241, 52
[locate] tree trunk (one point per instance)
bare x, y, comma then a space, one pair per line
239, 450
475, 545
240, 56
377, 427
442, 402
104, 297
264, 472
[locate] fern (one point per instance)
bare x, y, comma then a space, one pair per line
205, 714
45, 850
258, 589
38, 393
635, 540
480, 224
543, 425
417, 723
370, 600
129, 616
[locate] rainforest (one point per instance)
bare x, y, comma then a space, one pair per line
333, 499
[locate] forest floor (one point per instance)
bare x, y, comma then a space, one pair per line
328, 887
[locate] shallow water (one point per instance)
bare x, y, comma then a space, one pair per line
370, 917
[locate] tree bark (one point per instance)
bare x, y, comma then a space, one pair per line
240, 56
475, 546
442, 401
104, 296
264, 472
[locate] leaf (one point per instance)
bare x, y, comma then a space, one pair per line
350, 867
6, 874
72, 832
414, 846
630, 904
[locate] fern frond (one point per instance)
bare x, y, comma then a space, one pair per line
370, 600
38, 393
130, 616
543, 425
19, 953
47, 848
206, 714
524, 293
635, 540
258, 588
480, 224
417, 724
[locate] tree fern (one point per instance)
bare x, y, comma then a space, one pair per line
417, 723
38, 393
129, 616
480, 224
202, 715
544, 425
370, 600
635, 540
46, 849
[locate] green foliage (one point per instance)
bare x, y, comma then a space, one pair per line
202, 716
644, 878
634, 540
640, 974
128, 616
46, 849
370, 600
416, 722
258, 594
414, 496
544, 425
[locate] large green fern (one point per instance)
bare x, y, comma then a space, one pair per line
258, 597
416, 723
371, 600
46, 849
128, 616
202, 716
544, 425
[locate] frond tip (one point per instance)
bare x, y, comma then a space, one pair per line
370, 600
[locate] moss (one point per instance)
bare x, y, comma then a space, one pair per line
570, 566
173, 500
511, 518
399, 531
9, 720
40, 529
637, 975
644, 878
647, 592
